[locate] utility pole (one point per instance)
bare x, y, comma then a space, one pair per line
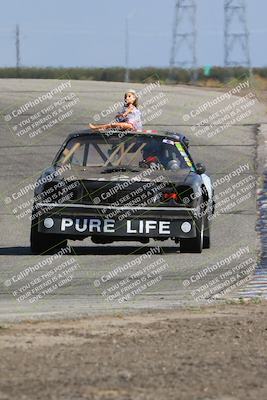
126, 78
17, 42
236, 34
184, 37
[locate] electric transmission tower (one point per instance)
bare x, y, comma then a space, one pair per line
183, 51
236, 35
17, 42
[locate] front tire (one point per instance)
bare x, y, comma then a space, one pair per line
206, 237
194, 245
45, 243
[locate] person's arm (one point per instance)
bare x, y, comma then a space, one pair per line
128, 111
120, 113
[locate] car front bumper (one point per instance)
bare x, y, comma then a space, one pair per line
89, 220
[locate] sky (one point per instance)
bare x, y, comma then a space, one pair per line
88, 33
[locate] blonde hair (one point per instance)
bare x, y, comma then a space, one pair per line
135, 103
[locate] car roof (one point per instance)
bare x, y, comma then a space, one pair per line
168, 134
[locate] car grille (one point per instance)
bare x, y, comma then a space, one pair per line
119, 194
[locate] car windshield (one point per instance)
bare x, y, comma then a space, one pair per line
132, 151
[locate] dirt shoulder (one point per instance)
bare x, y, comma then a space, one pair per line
202, 354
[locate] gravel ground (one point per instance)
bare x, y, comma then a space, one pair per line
201, 354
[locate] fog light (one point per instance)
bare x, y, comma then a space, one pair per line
186, 227
48, 223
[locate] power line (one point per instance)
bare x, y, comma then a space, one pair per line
17, 42
126, 78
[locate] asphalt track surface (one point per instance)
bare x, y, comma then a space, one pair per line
22, 158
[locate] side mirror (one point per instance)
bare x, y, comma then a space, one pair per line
186, 142
201, 169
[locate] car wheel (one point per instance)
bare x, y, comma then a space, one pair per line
206, 236
206, 242
45, 243
194, 245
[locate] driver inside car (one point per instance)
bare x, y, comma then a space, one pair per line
161, 156
151, 156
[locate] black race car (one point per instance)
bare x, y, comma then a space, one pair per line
130, 186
